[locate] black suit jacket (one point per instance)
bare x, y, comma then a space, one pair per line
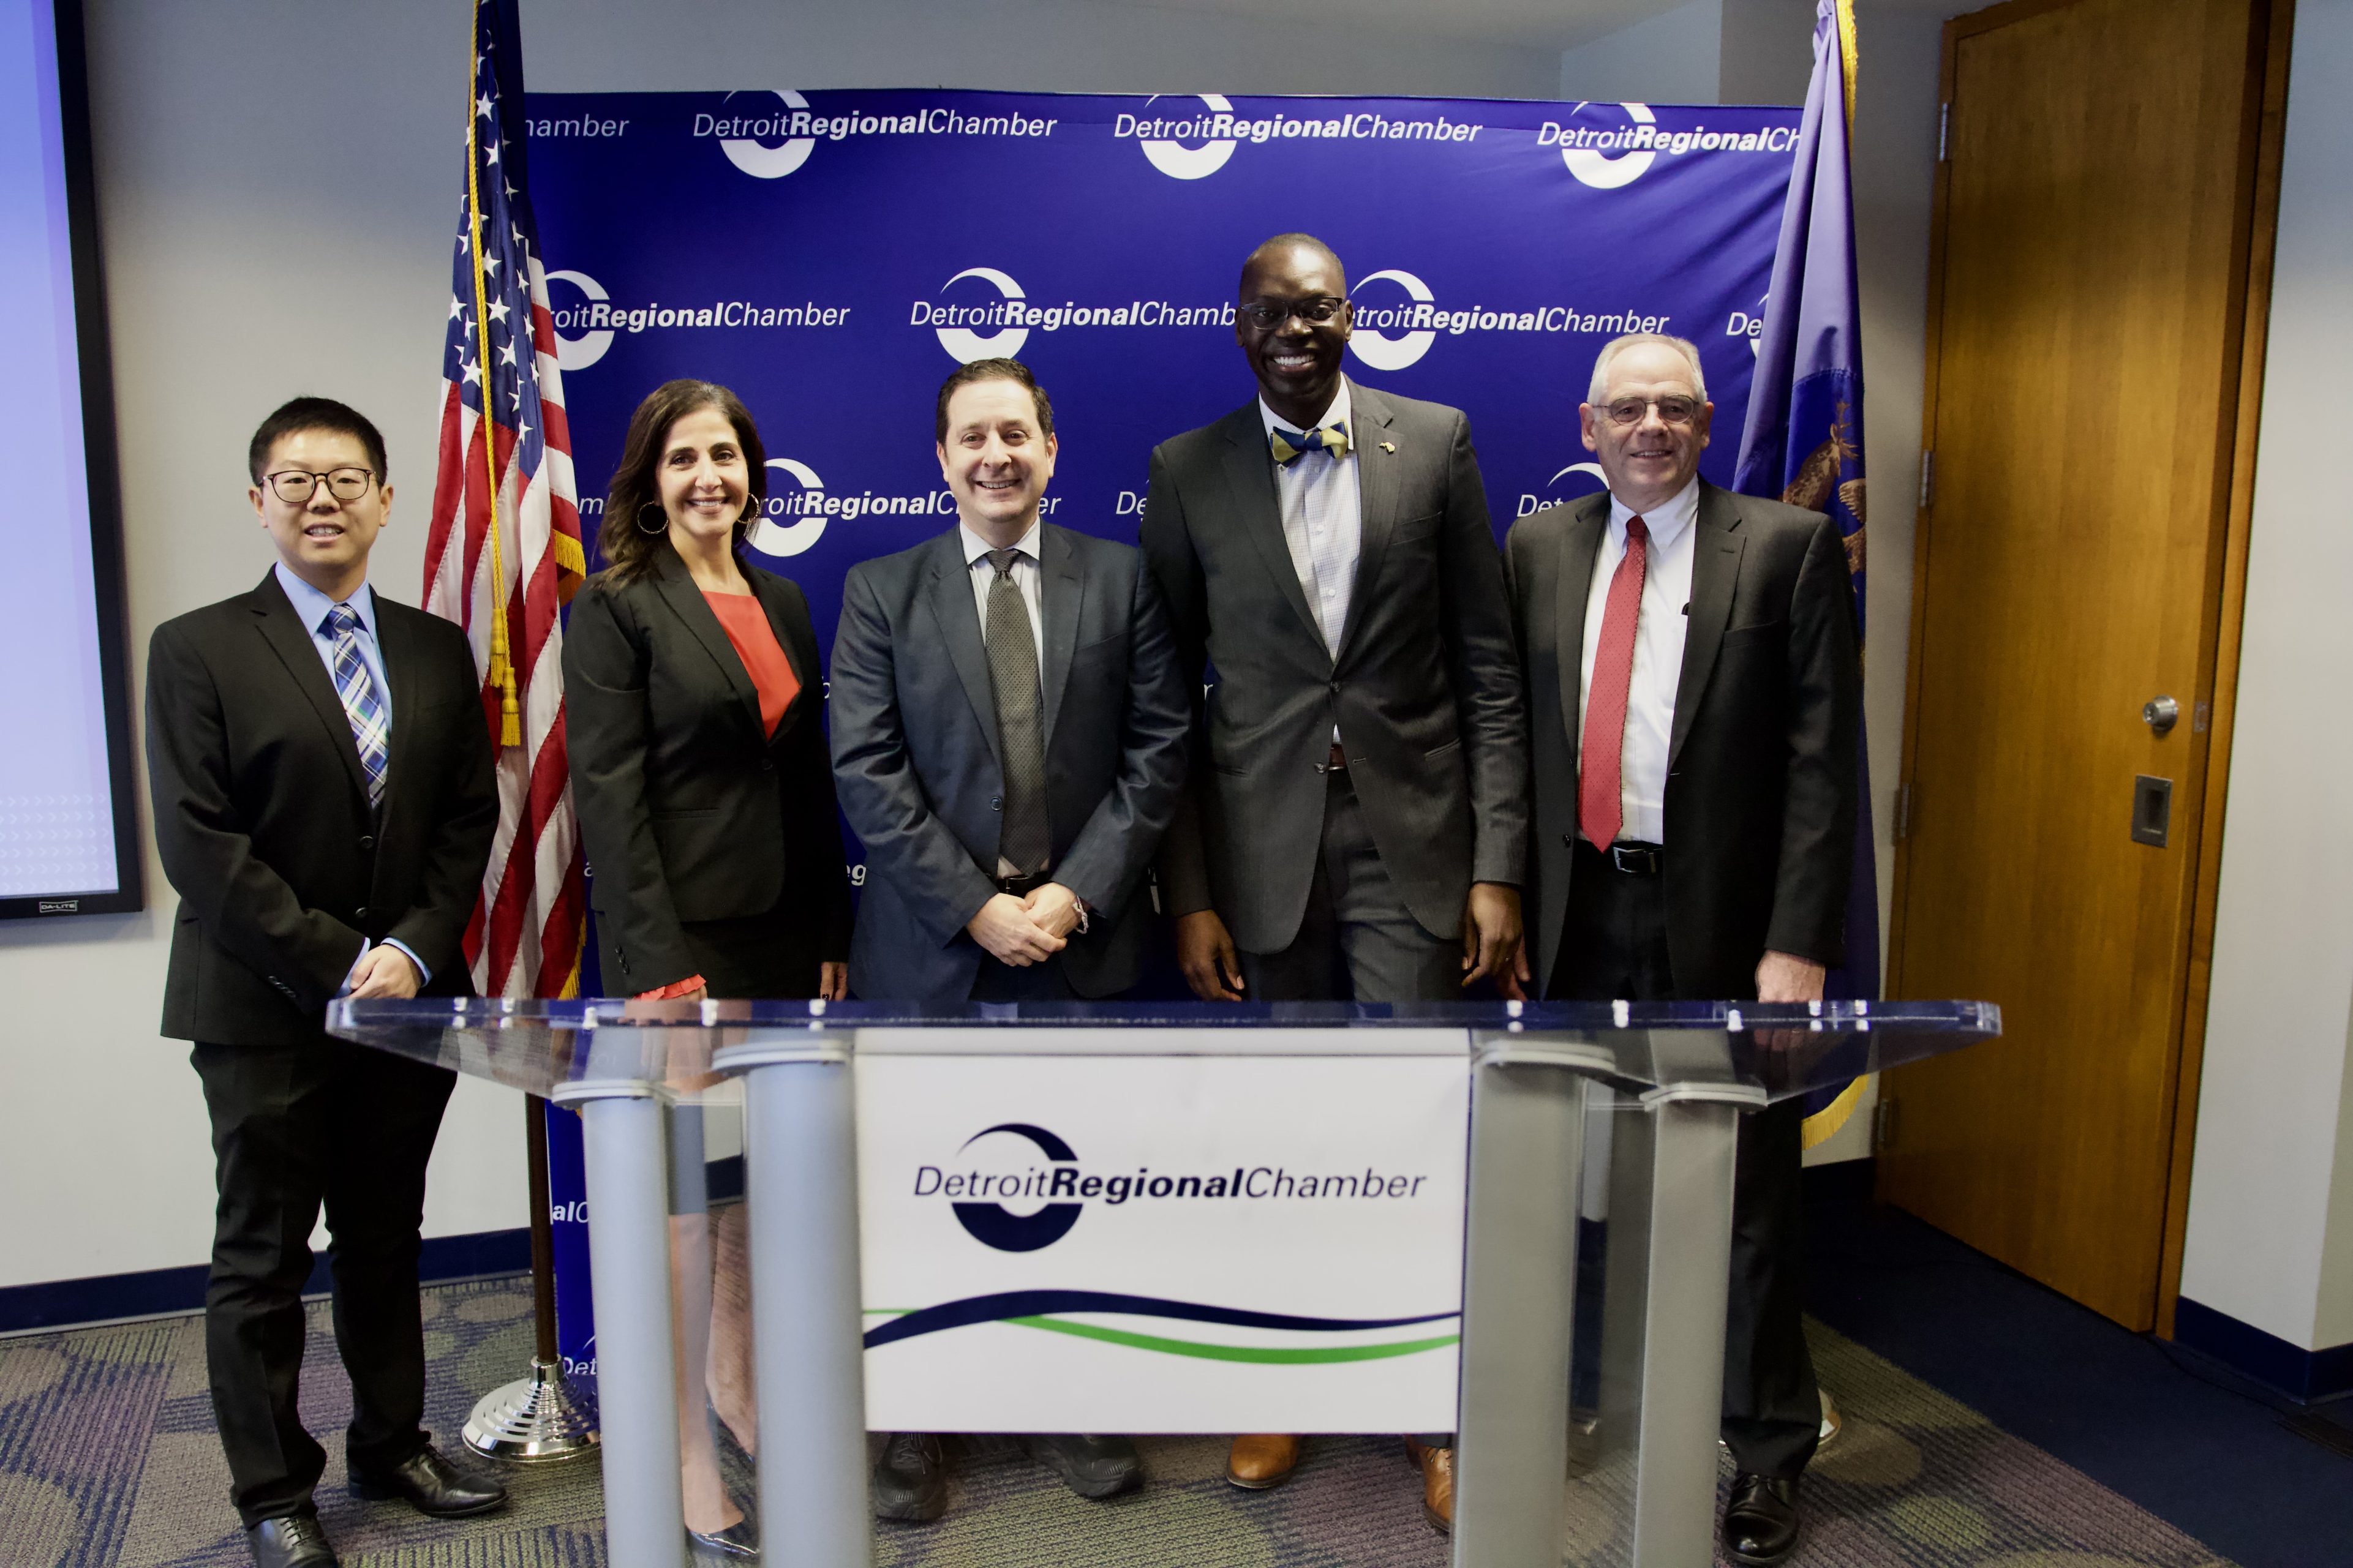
1426, 688
914, 743
688, 810
262, 819
1761, 763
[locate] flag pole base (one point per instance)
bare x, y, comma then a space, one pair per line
531, 1421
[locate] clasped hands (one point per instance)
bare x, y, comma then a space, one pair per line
1026, 931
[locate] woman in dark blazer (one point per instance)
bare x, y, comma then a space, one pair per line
701, 775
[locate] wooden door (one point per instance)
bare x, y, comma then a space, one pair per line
2096, 210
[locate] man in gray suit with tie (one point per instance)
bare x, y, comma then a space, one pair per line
1356, 824
1009, 741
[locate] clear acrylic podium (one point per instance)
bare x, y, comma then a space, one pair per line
1674, 1079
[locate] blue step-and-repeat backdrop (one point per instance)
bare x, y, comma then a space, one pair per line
832, 255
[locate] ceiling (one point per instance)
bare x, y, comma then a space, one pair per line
1526, 23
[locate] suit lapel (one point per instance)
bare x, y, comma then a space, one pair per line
289, 640
676, 585
1062, 597
951, 599
1250, 473
1376, 499
769, 589
1716, 568
393, 641
1580, 542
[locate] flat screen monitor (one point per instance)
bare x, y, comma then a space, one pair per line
68, 841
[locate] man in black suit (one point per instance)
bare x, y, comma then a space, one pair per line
1009, 741
325, 805
1695, 687
1356, 824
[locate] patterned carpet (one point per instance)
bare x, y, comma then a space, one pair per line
108, 1460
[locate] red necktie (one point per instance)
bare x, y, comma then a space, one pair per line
1601, 775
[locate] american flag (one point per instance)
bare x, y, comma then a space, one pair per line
503, 554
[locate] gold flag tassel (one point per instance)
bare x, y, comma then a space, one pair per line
502, 674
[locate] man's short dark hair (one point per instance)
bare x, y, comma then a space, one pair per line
316, 414
1011, 370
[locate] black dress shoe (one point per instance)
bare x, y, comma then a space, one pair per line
1760, 1522
1090, 1466
290, 1541
739, 1543
911, 1479
432, 1485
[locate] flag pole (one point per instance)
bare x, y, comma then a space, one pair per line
533, 1419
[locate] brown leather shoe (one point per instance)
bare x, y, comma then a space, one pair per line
1437, 1467
1262, 1459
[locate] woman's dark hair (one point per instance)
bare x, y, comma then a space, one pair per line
631, 552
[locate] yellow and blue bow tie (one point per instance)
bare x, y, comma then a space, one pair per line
1288, 444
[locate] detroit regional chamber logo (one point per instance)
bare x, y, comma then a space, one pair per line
772, 131
1608, 146
1188, 143
1018, 1187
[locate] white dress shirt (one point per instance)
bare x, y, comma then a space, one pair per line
1025, 577
1322, 519
1658, 627
310, 607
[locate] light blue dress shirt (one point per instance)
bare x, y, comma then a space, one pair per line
311, 606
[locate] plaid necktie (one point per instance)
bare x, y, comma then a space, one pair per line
1287, 444
1600, 780
371, 726
1026, 838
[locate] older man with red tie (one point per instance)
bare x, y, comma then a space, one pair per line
1692, 666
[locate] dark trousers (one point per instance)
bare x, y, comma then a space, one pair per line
1000, 982
1613, 947
1357, 940
295, 1127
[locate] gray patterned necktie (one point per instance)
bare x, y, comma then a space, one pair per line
1026, 838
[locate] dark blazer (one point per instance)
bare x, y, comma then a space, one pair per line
1426, 688
1761, 760
688, 809
262, 819
915, 747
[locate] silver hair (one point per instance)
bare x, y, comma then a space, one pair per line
1616, 346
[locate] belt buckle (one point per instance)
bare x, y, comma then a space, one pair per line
1634, 861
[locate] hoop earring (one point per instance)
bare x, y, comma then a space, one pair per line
656, 507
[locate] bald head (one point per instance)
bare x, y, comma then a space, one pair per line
1290, 253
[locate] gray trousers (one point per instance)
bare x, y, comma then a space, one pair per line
1357, 942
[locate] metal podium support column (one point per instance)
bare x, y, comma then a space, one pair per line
1519, 1287
628, 1276
800, 1149
1697, 1133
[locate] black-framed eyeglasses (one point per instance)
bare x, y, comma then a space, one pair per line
294, 486
1317, 310
1674, 410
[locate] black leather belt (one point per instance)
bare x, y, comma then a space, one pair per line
1021, 887
1626, 857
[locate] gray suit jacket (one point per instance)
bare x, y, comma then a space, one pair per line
1426, 688
1762, 780
914, 753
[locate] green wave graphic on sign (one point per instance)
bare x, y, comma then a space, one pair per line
1261, 1355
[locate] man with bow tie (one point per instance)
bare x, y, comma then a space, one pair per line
1356, 826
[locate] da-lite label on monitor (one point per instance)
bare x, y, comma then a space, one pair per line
1162, 1244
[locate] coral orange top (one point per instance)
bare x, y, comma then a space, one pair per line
746, 626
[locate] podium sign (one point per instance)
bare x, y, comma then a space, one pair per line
1164, 1243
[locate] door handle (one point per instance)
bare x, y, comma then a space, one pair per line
2152, 810
2160, 713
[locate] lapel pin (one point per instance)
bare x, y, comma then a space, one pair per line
1388, 446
